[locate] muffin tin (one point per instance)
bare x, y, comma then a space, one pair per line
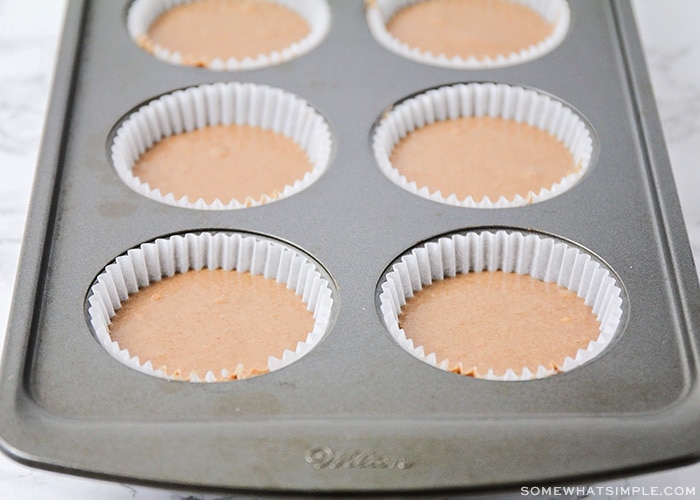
357, 413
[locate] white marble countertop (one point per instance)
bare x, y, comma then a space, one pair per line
29, 31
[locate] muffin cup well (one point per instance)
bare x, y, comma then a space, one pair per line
234, 252
316, 13
379, 12
544, 258
519, 104
222, 104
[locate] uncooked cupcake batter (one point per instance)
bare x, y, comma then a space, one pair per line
204, 30
223, 162
484, 156
211, 320
496, 320
466, 28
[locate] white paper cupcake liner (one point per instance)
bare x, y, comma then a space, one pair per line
222, 104
164, 257
544, 258
379, 12
484, 99
316, 13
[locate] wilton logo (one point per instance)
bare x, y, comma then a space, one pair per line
325, 458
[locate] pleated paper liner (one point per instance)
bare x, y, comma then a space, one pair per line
555, 12
544, 258
233, 252
143, 13
521, 105
234, 104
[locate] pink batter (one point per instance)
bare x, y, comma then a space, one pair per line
204, 30
481, 157
496, 320
223, 162
466, 28
211, 320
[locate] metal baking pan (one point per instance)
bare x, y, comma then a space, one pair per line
388, 422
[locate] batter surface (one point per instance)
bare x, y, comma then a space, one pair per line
482, 156
204, 30
223, 162
496, 320
466, 28
211, 320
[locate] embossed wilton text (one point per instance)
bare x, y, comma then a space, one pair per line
325, 458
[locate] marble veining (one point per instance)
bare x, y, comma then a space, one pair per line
28, 40
671, 44
678, 101
679, 106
